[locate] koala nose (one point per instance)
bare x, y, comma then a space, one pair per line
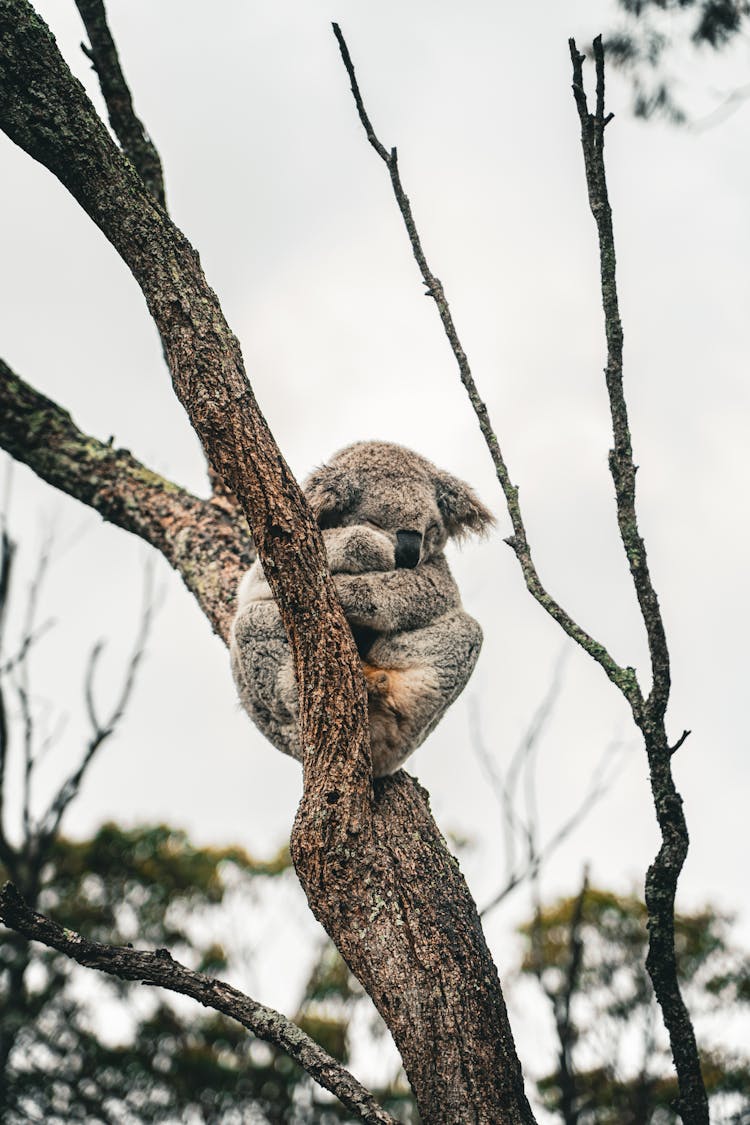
408, 546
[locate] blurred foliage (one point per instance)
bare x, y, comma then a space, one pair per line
655, 32
588, 954
174, 1062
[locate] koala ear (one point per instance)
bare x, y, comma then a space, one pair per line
331, 492
460, 507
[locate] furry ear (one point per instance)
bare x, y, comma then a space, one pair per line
460, 507
331, 492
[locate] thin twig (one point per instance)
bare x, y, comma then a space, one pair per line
505, 787
129, 130
601, 782
21, 676
160, 969
624, 678
101, 730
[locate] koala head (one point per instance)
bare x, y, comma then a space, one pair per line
402, 494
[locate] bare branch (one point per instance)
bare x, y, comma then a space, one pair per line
621, 463
662, 876
101, 732
133, 138
601, 782
624, 678
160, 969
506, 787
685, 734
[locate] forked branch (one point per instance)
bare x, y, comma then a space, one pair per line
128, 128
624, 678
662, 875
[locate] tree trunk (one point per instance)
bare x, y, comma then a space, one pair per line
374, 867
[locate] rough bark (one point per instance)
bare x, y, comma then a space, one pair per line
134, 140
664, 872
374, 867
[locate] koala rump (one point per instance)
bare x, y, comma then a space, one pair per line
386, 514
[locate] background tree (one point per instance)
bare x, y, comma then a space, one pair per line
655, 37
587, 954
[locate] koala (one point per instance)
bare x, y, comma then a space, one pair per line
386, 514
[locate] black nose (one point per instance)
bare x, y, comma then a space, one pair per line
408, 546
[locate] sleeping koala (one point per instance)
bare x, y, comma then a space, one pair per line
386, 514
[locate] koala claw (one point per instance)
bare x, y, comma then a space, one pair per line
379, 688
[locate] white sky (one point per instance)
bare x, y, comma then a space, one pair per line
269, 174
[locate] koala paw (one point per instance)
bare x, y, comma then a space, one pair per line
359, 550
379, 689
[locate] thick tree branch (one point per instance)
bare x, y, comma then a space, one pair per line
160, 969
662, 876
624, 678
195, 536
134, 140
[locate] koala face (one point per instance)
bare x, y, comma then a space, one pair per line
398, 492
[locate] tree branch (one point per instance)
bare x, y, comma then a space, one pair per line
662, 876
624, 678
134, 140
195, 536
160, 969
50, 822
621, 464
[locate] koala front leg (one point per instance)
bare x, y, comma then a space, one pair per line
350, 550
413, 677
358, 549
398, 600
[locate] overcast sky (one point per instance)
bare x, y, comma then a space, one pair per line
269, 175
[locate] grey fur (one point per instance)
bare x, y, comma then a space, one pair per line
378, 504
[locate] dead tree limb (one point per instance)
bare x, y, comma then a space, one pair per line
662, 875
374, 867
159, 968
